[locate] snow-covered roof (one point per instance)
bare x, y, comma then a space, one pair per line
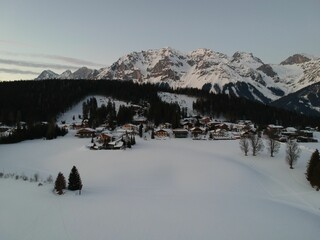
291, 129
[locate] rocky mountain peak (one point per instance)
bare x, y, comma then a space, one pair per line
240, 57
296, 59
47, 74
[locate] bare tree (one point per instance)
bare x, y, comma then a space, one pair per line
272, 145
293, 152
244, 145
256, 144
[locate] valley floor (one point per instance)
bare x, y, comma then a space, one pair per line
172, 189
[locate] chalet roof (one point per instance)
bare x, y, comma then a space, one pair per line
197, 129
86, 130
291, 129
106, 135
162, 130
180, 130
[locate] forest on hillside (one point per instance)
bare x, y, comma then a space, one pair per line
36, 101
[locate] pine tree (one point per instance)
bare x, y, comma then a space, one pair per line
74, 181
140, 130
60, 183
313, 173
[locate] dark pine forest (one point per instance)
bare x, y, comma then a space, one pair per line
36, 101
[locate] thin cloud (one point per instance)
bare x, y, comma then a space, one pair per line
36, 65
17, 71
12, 42
55, 57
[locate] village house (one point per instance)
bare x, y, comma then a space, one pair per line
221, 134
275, 129
86, 133
105, 137
205, 120
130, 127
162, 133
290, 132
197, 132
5, 131
180, 133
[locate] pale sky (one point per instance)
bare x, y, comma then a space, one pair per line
67, 34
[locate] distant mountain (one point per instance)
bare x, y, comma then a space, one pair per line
305, 101
297, 59
242, 74
84, 73
47, 74
81, 73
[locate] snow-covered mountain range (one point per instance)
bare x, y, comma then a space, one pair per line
241, 74
81, 73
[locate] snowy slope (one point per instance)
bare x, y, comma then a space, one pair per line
183, 101
76, 110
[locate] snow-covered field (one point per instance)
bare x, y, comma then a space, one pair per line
159, 189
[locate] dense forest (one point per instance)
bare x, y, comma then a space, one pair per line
36, 101
234, 108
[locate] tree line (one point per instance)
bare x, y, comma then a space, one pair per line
35, 101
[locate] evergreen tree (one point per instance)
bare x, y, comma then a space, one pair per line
313, 170
140, 130
60, 183
74, 181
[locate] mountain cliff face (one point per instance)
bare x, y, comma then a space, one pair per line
241, 74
